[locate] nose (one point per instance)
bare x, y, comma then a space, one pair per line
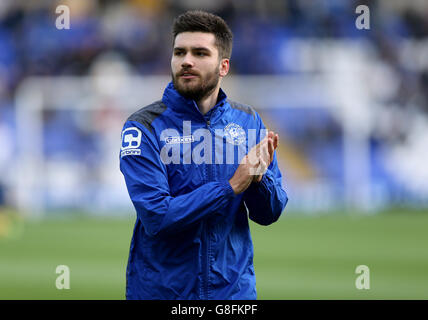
187, 61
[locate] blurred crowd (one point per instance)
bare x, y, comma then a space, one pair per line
139, 32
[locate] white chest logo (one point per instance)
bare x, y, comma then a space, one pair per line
234, 134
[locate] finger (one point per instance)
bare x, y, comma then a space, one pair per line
271, 150
265, 154
262, 146
257, 147
254, 154
271, 146
275, 141
261, 150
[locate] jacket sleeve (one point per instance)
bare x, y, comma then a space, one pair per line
147, 183
265, 200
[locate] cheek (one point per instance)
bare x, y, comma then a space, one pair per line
174, 64
212, 68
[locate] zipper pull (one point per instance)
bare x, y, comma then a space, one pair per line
208, 122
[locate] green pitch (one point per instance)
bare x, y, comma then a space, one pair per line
295, 258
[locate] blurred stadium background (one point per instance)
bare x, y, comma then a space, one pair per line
350, 106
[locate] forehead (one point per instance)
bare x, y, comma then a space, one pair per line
195, 39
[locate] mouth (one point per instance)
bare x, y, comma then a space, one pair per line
187, 75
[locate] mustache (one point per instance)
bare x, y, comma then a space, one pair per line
187, 71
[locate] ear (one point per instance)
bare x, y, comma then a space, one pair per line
224, 67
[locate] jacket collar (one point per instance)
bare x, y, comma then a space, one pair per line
180, 104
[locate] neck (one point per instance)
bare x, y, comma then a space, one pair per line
209, 101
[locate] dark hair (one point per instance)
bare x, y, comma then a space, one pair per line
201, 21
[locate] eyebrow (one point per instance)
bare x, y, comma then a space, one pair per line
193, 48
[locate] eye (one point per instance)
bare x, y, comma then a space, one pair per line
201, 53
178, 53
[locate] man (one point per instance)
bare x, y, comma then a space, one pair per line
191, 182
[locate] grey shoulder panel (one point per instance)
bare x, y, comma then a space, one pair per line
243, 107
148, 114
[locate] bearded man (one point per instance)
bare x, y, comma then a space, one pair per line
191, 238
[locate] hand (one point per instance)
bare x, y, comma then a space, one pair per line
244, 175
255, 163
268, 147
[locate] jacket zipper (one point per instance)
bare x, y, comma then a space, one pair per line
206, 225
207, 234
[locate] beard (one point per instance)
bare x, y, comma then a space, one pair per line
197, 88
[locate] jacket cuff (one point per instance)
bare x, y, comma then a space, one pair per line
267, 179
228, 189
264, 185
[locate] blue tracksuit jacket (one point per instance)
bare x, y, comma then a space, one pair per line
191, 238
